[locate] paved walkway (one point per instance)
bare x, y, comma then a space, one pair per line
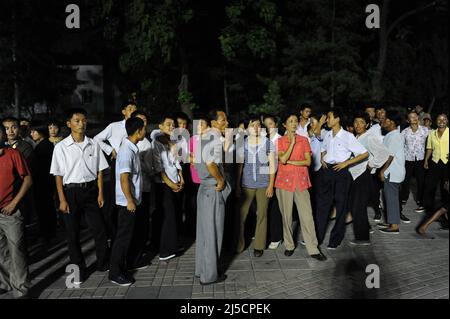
410, 267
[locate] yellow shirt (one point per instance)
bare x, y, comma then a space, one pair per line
438, 145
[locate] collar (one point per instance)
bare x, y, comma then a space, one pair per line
70, 141
130, 145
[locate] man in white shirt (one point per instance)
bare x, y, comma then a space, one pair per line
77, 165
110, 140
128, 198
340, 150
415, 136
305, 113
393, 173
169, 183
362, 179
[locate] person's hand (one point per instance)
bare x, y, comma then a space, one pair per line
131, 207
64, 207
113, 154
176, 187
382, 178
369, 168
425, 165
9, 209
322, 120
291, 137
220, 185
100, 200
340, 166
269, 192
324, 165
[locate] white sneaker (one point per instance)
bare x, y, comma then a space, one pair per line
274, 244
167, 258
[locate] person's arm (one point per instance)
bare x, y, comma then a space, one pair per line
306, 162
11, 207
379, 151
322, 156
318, 130
284, 156
351, 161
213, 169
240, 168
100, 199
385, 167
126, 189
63, 205
272, 168
166, 180
357, 149
103, 136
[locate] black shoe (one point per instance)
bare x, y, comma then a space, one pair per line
332, 247
404, 219
404, 202
390, 231
288, 252
121, 280
220, 279
258, 253
320, 257
377, 217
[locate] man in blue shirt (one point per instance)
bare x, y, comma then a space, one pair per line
128, 197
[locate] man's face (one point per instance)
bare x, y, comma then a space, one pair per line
427, 122
221, 123
442, 121
141, 134
128, 111
360, 125
182, 123
167, 126
381, 115
413, 119
291, 124
202, 126
53, 130
371, 112
77, 123
305, 113
331, 120
387, 124
12, 130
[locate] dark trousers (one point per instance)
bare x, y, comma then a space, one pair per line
334, 188
191, 209
275, 220
164, 226
126, 222
359, 198
141, 231
437, 172
414, 169
83, 201
45, 209
109, 209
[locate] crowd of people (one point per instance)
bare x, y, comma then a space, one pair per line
137, 189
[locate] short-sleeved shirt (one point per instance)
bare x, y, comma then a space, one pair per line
290, 176
12, 166
193, 143
395, 144
341, 147
415, 143
256, 170
146, 157
165, 160
439, 146
128, 162
210, 151
77, 162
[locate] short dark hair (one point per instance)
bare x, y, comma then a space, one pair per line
133, 124
394, 116
54, 122
41, 128
337, 112
76, 110
270, 116
24, 119
139, 112
287, 115
305, 106
125, 103
2, 128
361, 115
183, 116
165, 116
11, 119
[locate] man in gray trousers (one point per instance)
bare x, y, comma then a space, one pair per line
211, 198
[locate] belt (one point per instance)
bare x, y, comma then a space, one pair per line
81, 185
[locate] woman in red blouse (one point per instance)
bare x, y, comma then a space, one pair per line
292, 183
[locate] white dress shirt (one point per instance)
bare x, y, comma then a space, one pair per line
340, 148
303, 131
378, 155
164, 160
128, 162
395, 143
415, 143
77, 162
114, 133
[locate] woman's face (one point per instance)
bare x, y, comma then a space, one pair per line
35, 135
202, 126
254, 128
313, 123
53, 130
291, 124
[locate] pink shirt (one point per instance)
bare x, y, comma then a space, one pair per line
193, 142
290, 176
